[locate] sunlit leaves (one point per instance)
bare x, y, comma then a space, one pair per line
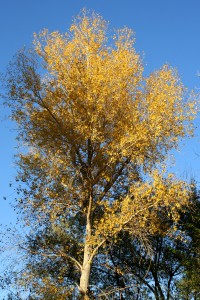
96, 130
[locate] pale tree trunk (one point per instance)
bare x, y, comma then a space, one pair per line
87, 256
87, 261
86, 267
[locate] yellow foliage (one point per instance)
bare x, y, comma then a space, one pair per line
96, 128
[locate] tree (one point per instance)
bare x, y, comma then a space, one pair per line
96, 133
189, 287
169, 272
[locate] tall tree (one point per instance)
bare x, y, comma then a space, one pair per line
96, 131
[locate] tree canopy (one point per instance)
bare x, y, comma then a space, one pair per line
96, 133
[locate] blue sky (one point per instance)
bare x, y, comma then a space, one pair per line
167, 31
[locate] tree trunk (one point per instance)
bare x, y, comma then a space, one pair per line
168, 287
87, 260
158, 289
86, 268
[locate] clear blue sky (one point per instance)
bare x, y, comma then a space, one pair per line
166, 31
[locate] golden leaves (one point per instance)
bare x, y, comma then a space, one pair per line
95, 116
140, 209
